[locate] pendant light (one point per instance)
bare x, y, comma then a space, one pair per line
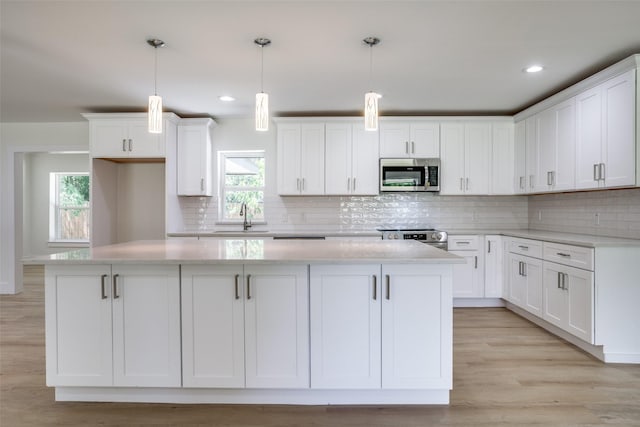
155, 101
262, 99
371, 97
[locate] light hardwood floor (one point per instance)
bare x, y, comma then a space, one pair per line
507, 371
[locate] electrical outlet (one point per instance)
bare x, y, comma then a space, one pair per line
285, 219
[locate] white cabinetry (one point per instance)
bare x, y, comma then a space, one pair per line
371, 334
606, 134
525, 274
351, 159
245, 327
301, 159
126, 135
345, 313
409, 139
194, 157
113, 325
502, 158
493, 266
465, 158
468, 278
556, 147
520, 158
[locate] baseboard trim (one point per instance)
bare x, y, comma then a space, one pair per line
478, 302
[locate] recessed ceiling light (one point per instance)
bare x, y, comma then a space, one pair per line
226, 98
534, 69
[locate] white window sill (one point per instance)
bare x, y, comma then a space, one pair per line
68, 244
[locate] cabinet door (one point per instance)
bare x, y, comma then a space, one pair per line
520, 158
212, 326
146, 326
501, 165
424, 140
619, 130
564, 177
535, 183
467, 282
312, 159
394, 139
194, 161
517, 289
588, 137
493, 267
288, 168
365, 162
416, 326
477, 158
78, 325
533, 281
546, 135
579, 288
452, 157
145, 144
109, 138
276, 326
345, 326
338, 170
555, 304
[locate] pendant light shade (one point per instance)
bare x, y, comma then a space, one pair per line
371, 97
155, 101
262, 99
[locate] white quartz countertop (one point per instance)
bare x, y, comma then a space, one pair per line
586, 240
266, 233
254, 251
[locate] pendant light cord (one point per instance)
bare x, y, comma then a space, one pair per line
155, 71
262, 68
370, 67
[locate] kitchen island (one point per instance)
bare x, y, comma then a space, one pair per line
250, 321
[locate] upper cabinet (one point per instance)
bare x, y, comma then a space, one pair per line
606, 134
520, 158
465, 158
194, 157
300, 159
115, 136
556, 144
351, 166
399, 139
502, 158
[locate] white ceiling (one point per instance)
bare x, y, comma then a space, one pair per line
62, 58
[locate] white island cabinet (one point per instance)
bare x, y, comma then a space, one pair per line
113, 325
287, 322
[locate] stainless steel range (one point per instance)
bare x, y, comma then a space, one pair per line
429, 236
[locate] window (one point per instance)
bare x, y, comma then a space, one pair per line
241, 181
69, 207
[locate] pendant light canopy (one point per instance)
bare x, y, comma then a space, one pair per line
262, 99
155, 101
371, 97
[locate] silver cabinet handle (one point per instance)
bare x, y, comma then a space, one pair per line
524, 248
522, 182
375, 287
297, 183
596, 170
563, 255
519, 268
463, 242
467, 186
406, 147
488, 246
302, 184
103, 292
115, 286
413, 147
124, 145
237, 286
248, 286
461, 184
565, 276
130, 144
602, 174
388, 278
348, 184
354, 183
475, 262
549, 181
201, 184
559, 280
531, 181
524, 269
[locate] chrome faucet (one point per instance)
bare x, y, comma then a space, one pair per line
246, 224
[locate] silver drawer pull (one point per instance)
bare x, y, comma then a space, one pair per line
563, 254
463, 243
524, 248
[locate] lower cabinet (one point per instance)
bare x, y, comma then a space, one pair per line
525, 283
568, 299
468, 278
391, 324
113, 325
245, 326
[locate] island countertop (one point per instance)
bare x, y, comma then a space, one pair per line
254, 251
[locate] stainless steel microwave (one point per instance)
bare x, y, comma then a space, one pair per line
409, 175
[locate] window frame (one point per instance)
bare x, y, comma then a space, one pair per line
55, 208
222, 188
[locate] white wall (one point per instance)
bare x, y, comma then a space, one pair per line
38, 166
15, 139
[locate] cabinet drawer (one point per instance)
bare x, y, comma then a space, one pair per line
463, 243
574, 256
532, 248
